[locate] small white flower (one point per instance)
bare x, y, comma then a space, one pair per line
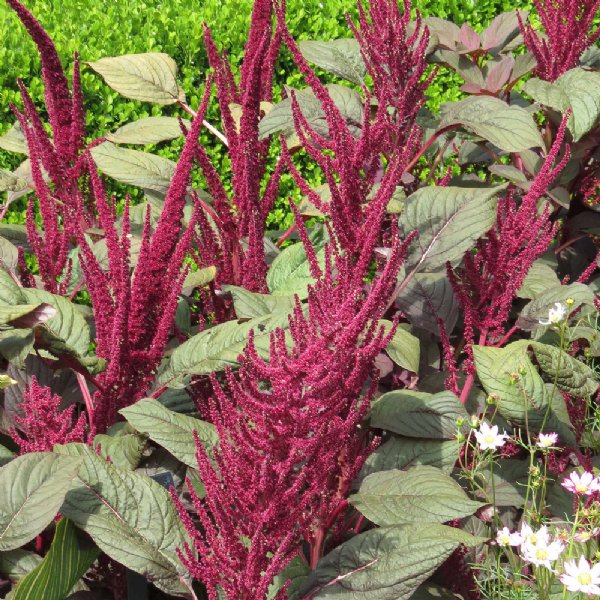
547, 440
582, 577
585, 535
555, 315
488, 437
585, 483
507, 538
528, 536
541, 553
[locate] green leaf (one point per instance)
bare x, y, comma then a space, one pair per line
418, 414
508, 375
540, 277
570, 374
289, 273
577, 89
387, 563
67, 325
10, 292
68, 559
510, 128
151, 77
540, 305
402, 453
15, 564
404, 348
503, 30
133, 167
32, 489
248, 304
129, 516
26, 315
11, 182
509, 478
340, 57
169, 429
149, 130
422, 494
295, 572
426, 296
122, 445
14, 140
281, 119
449, 221
198, 278
219, 347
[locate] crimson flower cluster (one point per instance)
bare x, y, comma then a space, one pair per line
567, 26
491, 275
133, 315
291, 441
43, 424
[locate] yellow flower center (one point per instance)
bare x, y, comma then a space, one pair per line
581, 487
489, 439
541, 553
584, 578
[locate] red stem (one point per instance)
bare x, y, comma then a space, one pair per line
471, 377
427, 145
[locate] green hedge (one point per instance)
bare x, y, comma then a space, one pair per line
108, 28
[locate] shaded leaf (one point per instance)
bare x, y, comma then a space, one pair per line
540, 277
426, 296
404, 348
121, 445
403, 453
67, 325
387, 563
14, 140
418, 414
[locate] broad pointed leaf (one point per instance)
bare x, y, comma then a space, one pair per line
134, 167
420, 495
340, 57
169, 429
448, 220
418, 414
129, 516
510, 128
387, 563
151, 77
149, 130
32, 489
